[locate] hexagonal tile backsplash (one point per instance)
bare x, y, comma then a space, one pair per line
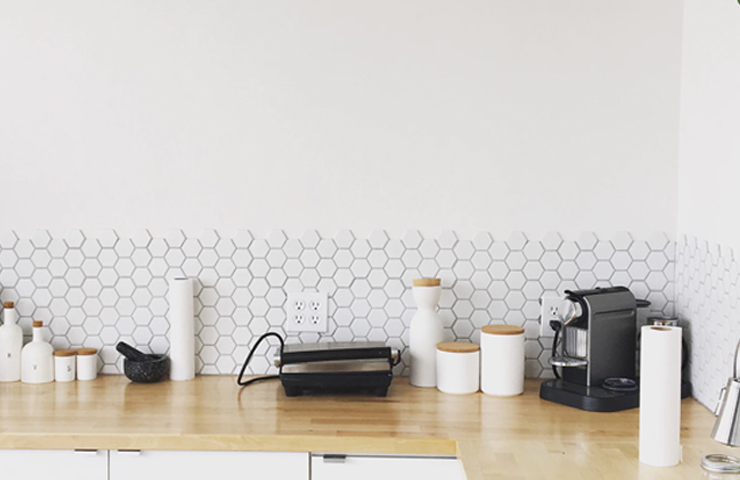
708, 293
95, 290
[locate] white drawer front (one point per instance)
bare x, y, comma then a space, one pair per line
53, 464
159, 465
384, 468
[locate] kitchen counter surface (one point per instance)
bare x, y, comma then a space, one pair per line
496, 438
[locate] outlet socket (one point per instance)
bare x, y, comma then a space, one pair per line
307, 312
549, 310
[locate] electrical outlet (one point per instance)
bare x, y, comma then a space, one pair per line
307, 312
549, 310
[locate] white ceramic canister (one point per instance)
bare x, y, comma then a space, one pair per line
502, 360
37, 358
458, 367
87, 364
65, 366
11, 344
425, 333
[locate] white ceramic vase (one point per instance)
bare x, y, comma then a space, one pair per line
425, 333
11, 344
37, 358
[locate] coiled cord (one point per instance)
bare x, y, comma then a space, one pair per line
240, 379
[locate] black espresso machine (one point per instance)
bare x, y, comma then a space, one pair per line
594, 348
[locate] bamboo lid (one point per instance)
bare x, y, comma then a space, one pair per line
502, 330
458, 347
38, 324
427, 282
8, 304
87, 351
64, 353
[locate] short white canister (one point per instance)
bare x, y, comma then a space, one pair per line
87, 364
458, 367
502, 360
64, 365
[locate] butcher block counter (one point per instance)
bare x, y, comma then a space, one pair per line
495, 438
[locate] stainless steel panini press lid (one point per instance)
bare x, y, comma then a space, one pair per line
330, 357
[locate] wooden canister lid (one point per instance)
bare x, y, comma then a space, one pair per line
87, 351
458, 347
502, 330
427, 282
38, 324
65, 353
9, 305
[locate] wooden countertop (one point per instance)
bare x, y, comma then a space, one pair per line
496, 438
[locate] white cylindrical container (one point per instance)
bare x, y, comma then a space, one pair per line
660, 395
11, 344
37, 358
65, 365
87, 364
502, 360
425, 333
458, 367
182, 329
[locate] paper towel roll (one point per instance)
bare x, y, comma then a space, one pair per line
182, 329
660, 396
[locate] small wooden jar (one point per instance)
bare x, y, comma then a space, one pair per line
502, 360
458, 367
64, 365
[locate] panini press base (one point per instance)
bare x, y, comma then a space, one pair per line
337, 367
595, 399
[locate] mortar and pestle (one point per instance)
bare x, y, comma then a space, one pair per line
140, 367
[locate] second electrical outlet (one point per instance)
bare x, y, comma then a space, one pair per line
307, 312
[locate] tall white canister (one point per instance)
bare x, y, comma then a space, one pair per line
502, 360
425, 333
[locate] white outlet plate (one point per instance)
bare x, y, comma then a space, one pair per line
307, 312
549, 310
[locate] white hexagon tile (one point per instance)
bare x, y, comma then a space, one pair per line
708, 293
97, 289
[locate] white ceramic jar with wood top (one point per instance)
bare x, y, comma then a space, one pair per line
502, 360
87, 364
458, 367
425, 333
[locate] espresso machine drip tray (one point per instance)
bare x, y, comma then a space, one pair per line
595, 399
592, 399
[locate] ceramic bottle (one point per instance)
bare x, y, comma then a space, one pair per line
425, 333
37, 359
11, 343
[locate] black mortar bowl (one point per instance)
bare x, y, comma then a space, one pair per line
155, 369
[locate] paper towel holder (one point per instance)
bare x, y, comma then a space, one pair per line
727, 426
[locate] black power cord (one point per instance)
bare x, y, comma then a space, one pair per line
240, 379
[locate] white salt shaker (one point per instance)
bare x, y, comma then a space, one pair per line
458, 367
87, 364
65, 365
425, 333
502, 360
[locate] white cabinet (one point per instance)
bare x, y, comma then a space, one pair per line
53, 464
158, 465
341, 467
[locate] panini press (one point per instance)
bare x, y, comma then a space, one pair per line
337, 367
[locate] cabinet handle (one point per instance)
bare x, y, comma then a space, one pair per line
85, 451
130, 453
335, 458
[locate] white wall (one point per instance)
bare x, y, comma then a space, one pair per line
710, 122
505, 114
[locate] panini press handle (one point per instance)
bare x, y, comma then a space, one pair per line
335, 458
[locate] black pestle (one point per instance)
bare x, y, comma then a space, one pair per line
132, 354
